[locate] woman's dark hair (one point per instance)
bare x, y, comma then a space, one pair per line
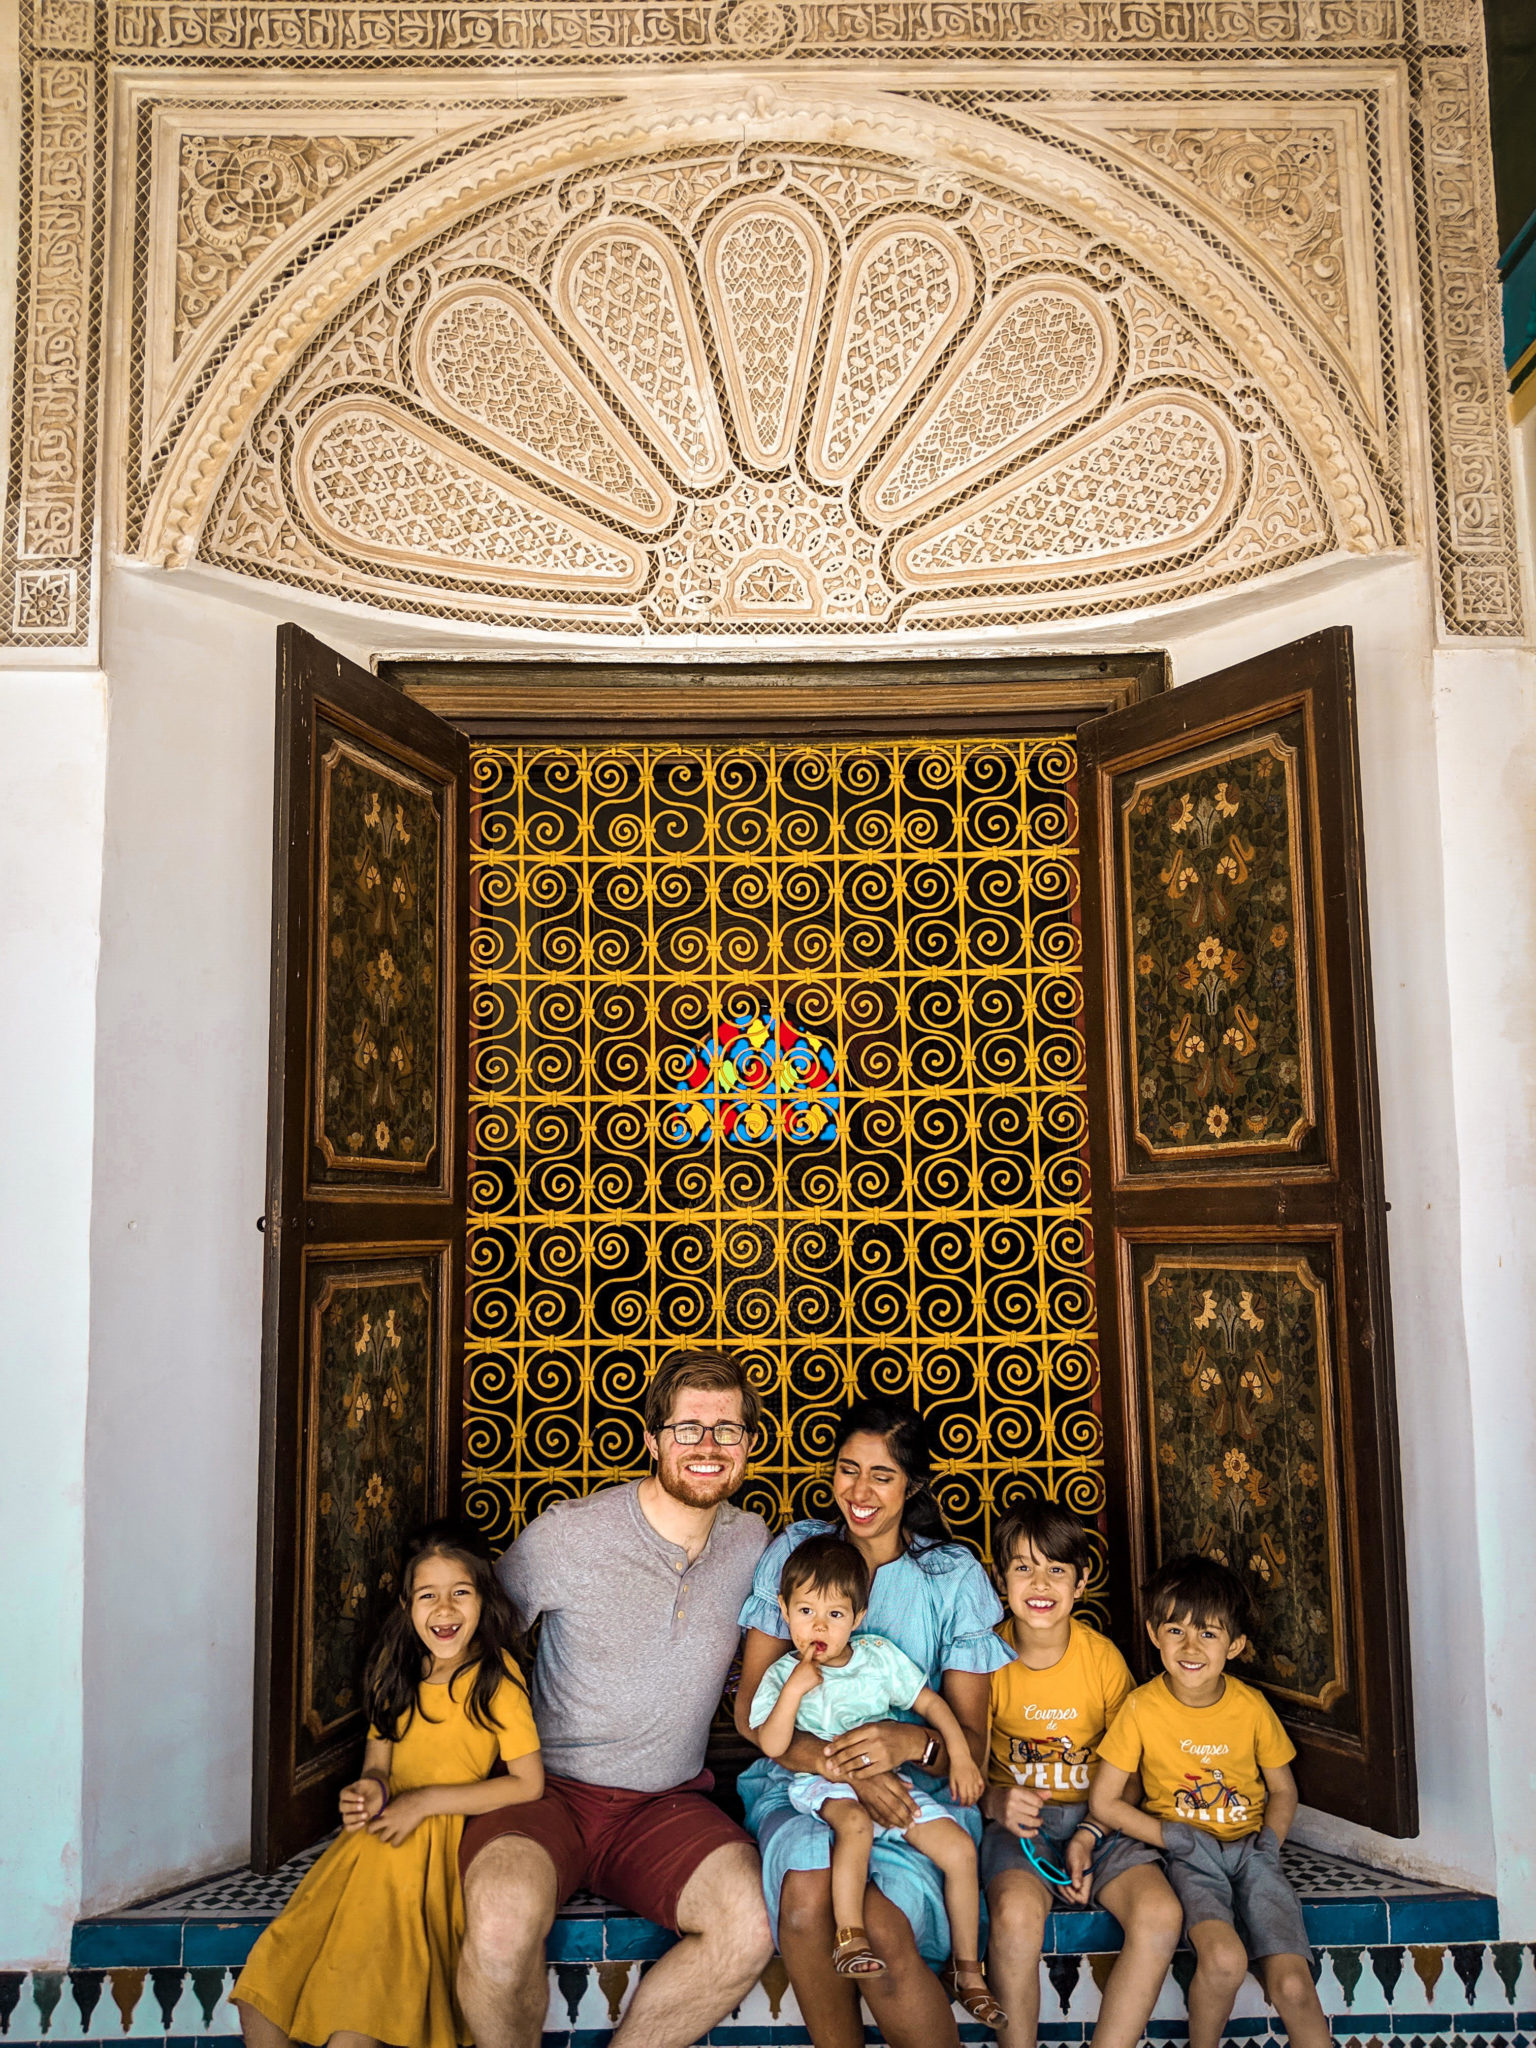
906, 1433
825, 1564
1048, 1529
1198, 1589
401, 1660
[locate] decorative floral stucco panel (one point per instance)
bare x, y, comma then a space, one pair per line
1243, 154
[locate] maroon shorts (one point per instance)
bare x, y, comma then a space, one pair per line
638, 1849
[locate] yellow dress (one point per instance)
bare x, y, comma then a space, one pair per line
370, 1940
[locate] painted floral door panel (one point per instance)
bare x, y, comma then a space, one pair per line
779, 1044
1239, 1218
1215, 915
379, 998
363, 1322
1236, 1352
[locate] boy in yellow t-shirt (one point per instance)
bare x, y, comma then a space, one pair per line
1050, 1707
1214, 1764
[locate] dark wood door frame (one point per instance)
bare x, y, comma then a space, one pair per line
768, 700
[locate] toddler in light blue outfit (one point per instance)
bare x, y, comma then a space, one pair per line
832, 1683
876, 1678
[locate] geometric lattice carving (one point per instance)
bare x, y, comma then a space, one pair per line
1236, 219
908, 293
485, 359
374, 479
764, 270
626, 296
777, 386
1153, 480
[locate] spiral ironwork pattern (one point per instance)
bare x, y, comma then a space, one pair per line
908, 908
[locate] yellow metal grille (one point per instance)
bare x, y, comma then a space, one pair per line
779, 1046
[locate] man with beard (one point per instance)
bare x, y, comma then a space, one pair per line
639, 1588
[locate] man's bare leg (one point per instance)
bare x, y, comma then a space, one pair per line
509, 1908
726, 1947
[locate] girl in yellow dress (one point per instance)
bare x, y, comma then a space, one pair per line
366, 1949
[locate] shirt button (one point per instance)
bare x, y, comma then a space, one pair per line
679, 1564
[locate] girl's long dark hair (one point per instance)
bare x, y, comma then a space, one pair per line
907, 1435
401, 1660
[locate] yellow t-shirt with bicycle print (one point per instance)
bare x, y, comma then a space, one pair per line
1203, 1765
1046, 1725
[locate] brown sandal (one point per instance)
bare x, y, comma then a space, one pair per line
976, 2000
853, 1956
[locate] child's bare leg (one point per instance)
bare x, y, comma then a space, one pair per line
946, 1843
853, 1836
1289, 1988
345, 2038
258, 2030
1142, 1900
1221, 1965
1019, 1904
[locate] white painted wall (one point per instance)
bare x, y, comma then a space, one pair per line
52, 767
1485, 715
180, 1064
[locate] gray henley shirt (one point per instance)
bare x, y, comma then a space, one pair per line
636, 1642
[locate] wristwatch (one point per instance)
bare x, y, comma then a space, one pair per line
930, 1753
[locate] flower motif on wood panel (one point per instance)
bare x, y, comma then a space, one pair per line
378, 996
1217, 967
756, 1078
368, 1423
1241, 1423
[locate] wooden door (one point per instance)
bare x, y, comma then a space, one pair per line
1239, 1218
363, 1312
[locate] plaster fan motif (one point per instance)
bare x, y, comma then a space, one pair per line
485, 358
1277, 187
737, 416
378, 482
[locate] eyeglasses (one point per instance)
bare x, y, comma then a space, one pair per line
726, 1434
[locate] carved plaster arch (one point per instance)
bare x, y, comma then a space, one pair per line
799, 358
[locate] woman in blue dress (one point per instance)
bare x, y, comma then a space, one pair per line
932, 1599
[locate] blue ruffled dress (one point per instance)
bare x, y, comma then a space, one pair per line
937, 1604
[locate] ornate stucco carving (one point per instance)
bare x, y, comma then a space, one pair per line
235, 196
870, 400
560, 381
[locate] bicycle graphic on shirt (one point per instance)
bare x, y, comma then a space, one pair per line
1211, 1799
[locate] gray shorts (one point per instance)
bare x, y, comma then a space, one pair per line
1240, 1882
1000, 1850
